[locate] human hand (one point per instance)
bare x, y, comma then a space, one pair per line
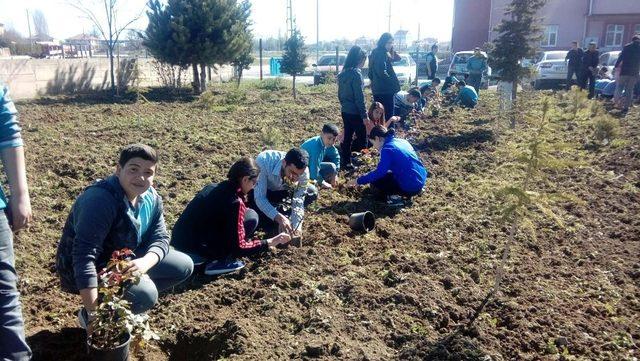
142, 265
326, 185
334, 181
20, 207
394, 119
351, 183
283, 223
282, 238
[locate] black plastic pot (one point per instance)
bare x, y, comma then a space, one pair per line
364, 221
118, 353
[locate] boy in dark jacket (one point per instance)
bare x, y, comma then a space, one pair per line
384, 82
121, 211
432, 62
629, 65
590, 69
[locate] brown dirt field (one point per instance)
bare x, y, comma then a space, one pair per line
571, 290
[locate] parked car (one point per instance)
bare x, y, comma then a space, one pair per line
405, 69
550, 70
326, 64
458, 67
609, 59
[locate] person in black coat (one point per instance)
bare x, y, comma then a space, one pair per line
574, 63
589, 70
384, 82
629, 66
217, 226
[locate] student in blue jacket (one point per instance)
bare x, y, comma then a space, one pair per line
121, 211
399, 171
467, 96
13, 345
324, 159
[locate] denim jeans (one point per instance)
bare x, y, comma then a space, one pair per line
13, 345
174, 268
624, 88
276, 198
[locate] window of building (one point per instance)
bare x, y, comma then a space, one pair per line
550, 36
614, 35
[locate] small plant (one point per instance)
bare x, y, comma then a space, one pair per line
272, 84
606, 129
235, 96
114, 322
577, 100
271, 137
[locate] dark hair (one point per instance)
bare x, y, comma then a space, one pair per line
374, 106
424, 88
298, 157
381, 131
243, 167
436, 80
330, 129
384, 39
434, 46
138, 150
462, 83
414, 92
355, 56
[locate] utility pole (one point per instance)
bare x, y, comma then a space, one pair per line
289, 19
389, 17
317, 31
30, 36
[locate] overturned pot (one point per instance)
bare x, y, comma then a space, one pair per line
364, 221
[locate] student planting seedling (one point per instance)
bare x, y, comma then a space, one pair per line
405, 103
324, 158
467, 96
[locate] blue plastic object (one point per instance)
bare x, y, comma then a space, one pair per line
274, 66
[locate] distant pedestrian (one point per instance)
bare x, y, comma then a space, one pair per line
574, 62
629, 67
432, 62
352, 104
476, 66
384, 82
589, 68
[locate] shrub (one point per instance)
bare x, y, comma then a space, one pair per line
272, 84
606, 129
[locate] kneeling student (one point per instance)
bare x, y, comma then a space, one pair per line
216, 226
121, 211
324, 159
400, 172
467, 96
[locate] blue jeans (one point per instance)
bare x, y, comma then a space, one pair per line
328, 171
174, 268
13, 345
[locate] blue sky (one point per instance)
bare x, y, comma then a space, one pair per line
339, 19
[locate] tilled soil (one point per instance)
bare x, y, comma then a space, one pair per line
571, 288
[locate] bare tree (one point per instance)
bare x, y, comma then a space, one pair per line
106, 22
40, 23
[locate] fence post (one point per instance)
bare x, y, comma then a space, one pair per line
260, 56
337, 61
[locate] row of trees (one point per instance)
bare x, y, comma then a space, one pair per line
200, 34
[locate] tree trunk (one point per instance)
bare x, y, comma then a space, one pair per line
294, 88
113, 81
239, 76
514, 92
196, 79
203, 77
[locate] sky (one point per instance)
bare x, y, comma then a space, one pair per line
339, 19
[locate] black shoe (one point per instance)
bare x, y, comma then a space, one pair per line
347, 167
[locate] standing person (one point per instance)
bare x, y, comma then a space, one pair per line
217, 226
629, 66
589, 68
574, 63
13, 345
120, 211
399, 172
384, 82
352, 104
477, 66
432, 62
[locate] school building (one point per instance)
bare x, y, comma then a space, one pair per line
610, 23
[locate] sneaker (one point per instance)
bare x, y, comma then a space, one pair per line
395, 201
83, 318
223, 266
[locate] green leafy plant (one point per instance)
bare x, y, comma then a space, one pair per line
114, 320
606, 129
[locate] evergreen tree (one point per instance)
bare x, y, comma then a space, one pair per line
245, 58
294, 57
197, 33
519, 37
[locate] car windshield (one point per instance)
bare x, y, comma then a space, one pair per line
402, 62
330, 60
612, 59
461, 58
555, 56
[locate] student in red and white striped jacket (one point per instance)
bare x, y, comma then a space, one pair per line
216, 227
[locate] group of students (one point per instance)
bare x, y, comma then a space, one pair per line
216, 228
623, 85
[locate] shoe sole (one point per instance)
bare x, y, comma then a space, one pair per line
220, 272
